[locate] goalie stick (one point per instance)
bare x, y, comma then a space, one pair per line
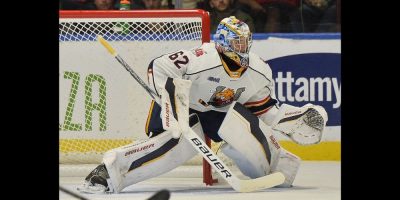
240, 185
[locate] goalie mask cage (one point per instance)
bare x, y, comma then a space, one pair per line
101, 105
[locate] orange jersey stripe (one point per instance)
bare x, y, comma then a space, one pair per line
262, 111
257, 103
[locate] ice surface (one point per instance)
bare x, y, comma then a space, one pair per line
315, 180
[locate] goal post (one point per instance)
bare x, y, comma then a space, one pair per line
101, 106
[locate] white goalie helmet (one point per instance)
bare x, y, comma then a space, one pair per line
233, 38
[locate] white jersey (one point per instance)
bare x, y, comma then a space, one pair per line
214, 85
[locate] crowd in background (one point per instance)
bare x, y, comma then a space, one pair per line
262, 16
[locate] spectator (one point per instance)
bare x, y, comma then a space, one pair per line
152, 4
76, 5
148, 4
105, 4
188, 4
319, 15
273, 15
220, 9
88, 4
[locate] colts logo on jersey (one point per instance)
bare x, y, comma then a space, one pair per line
224, 96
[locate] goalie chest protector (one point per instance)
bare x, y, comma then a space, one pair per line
212, 86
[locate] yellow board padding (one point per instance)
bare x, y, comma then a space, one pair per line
328, 150
90, 145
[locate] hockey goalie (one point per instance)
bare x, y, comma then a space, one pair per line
223, 91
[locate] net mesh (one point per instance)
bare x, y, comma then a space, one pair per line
90, 123
130, 31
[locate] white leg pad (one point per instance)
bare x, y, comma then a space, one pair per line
245, 166
288, 164
250, 142
140, 161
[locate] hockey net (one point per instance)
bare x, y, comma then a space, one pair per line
101, 105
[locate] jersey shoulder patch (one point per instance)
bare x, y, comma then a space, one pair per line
203, 58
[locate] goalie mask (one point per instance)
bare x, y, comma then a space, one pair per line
233, 38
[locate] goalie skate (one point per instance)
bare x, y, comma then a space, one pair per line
98, 181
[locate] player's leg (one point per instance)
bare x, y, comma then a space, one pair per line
140, 161
154, 122
288, 164
251, 145
210, 122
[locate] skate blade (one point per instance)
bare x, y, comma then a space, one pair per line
92, 189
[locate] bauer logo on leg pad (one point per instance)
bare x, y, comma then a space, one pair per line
175, 106
169, 121
166, 117
273, 140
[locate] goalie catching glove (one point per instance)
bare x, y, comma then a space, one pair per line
175, 106
304, 125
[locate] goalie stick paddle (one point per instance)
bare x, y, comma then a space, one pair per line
160, 195
237, 184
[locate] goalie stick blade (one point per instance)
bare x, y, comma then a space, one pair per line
219, 166
160, 195
260, 183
